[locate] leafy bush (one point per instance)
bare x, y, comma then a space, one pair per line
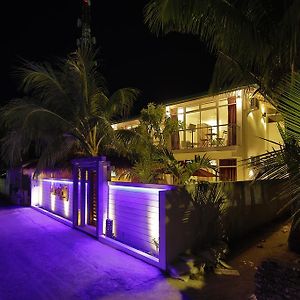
209, 203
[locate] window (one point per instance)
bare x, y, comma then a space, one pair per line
192, 108
210, 124
227, 170
208, 105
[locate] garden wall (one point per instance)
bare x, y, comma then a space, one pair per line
17, 187
179, 224
138, 215
53, 195
157, 222
250, 205
135, 211
253, 205
4, 190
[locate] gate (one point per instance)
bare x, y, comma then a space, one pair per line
90, 177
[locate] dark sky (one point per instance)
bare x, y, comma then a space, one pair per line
162, 68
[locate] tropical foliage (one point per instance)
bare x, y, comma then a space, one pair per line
254, 41
149, 148
284, 163
184, 173
209, 202
150, 140
66, 109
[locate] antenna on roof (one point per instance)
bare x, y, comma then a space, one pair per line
84, 24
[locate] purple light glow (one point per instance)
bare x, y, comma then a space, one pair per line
134, 209
139, 187
58, 181
42, 196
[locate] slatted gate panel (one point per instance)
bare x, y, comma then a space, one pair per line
135, 215
92, 199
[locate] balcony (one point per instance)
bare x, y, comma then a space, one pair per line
205, 137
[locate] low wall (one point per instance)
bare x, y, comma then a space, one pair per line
157, 222
253, 204
138, 215
250, 206
4, 187
135, 211
179, 224
17, 187
53, 195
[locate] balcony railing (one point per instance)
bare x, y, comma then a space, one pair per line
205, 137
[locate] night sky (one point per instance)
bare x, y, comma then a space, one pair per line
162, 68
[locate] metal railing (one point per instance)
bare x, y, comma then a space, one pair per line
205, 137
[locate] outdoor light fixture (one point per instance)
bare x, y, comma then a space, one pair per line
109, 228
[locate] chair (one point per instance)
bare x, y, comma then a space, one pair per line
224, 138
221, 140
204, 143
202, 134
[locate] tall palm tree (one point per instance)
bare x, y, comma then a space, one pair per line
67, 107
255, 41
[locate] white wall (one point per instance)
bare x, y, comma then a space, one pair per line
41, 196
135, 215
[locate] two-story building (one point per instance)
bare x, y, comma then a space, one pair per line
229, 127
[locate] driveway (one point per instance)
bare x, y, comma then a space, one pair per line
41, 258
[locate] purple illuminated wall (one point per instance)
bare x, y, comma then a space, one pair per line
135, 213
53, 195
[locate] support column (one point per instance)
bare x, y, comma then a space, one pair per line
75, 195
82, 197
103, 176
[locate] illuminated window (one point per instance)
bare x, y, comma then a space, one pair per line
192, 108
209, 104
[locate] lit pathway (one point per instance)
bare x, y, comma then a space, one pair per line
41, 258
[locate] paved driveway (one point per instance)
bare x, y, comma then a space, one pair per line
41, 258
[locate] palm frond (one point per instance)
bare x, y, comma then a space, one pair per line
41, 81
121, 101
288, 95
56, 150
258, 39
68, 101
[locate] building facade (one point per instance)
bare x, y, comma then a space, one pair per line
229, 128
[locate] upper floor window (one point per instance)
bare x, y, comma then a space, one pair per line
206, 125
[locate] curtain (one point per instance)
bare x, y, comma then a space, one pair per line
175, 141
231, 121
227, 169
227, 174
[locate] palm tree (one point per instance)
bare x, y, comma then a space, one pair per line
254, 41
66, 108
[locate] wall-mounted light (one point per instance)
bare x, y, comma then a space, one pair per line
251, 173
